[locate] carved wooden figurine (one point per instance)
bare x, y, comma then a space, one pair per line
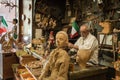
107, 28
57, 66
83, 56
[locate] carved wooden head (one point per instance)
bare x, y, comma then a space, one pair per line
61, 39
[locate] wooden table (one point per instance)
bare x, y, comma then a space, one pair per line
91, 73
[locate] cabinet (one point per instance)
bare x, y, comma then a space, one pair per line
6, 61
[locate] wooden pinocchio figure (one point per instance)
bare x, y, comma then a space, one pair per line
51, 40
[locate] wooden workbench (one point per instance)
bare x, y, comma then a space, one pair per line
91, 73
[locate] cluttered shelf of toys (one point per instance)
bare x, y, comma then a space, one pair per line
27, 66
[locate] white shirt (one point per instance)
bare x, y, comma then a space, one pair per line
90, 42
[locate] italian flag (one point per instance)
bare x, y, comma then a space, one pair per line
4, 23
3, 26
75, 30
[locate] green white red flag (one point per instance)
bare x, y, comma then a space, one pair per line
4, 23
75, 30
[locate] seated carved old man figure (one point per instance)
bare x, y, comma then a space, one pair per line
57, 66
